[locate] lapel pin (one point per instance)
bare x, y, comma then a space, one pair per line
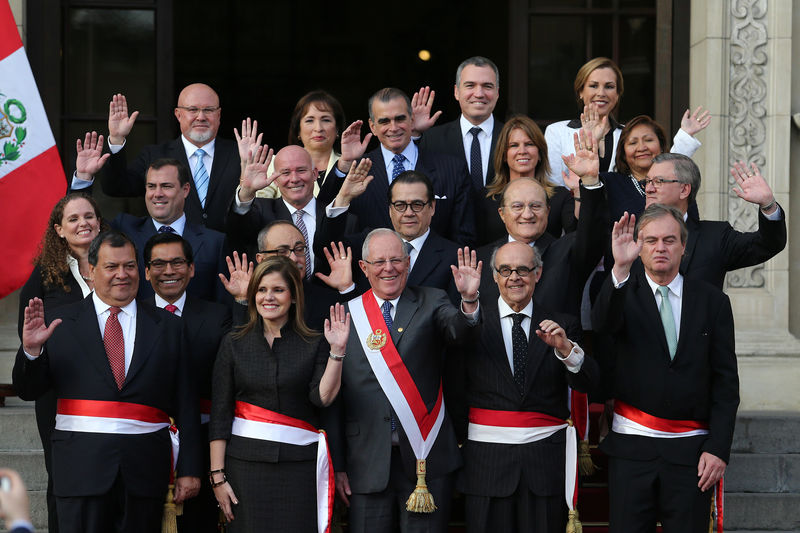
399, 330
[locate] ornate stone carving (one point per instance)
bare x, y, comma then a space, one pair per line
747, 112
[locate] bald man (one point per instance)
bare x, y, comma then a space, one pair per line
214, 162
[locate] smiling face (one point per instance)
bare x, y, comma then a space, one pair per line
477, 93
522, 155
387, 280
168, 281
274, 300
516, 290
116, 276
79, 224
296, 175
164, 195
318, 128
197, 125
641, 146
390, 122
408, 223
600, 90
524, 210
662, 248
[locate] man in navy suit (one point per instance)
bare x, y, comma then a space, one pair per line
214, 162
390, 120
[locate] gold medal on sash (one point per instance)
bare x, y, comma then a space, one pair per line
376, 340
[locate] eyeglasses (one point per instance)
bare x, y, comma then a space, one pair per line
298, 250
522, 271
519, 207
197, 110
416, 206
380, 263
159, 264
657, 182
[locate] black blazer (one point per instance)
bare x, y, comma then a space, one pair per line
75, 365
495, 469
208, 247
121, 179
454, 218
701, 383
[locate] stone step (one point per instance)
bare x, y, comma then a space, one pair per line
766, 432
763, 472
744, 511
30, 465
18, 427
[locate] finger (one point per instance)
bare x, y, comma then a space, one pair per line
133, 116
53, 325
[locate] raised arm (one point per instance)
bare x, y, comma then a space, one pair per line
120, 123
255, 173
90, 158
421, 107
352, 145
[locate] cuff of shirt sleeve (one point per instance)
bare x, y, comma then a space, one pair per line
618, 284
33, 357
472, 318
351, 288
23, 524
78, 184
774, 216
115, 148
333, 212
685, 144
338, 172
574, 360
597, 185
241, 208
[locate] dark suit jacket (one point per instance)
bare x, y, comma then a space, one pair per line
75, 365
495, 469
701, 383
715, 248
454, 218
208, 247
121, 179
568, 260
359, 426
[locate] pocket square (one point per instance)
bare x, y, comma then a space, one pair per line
440, 197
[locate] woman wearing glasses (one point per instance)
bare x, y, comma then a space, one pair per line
270, 378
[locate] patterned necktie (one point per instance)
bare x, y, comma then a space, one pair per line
397, 166
386, 309
200, 176
115, 346
171, 308
166, 229
298, 221
668, 321
409, 248
519, 346
475, 162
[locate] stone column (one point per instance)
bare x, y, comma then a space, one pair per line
18, 10
740, 65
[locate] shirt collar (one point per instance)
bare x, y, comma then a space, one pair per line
381, 300
190, 148
101, 307
505, 309
179, 303
675, 286
419, 242
512, 239
74, 268
310, 208
487, 125
179, 225
410, 152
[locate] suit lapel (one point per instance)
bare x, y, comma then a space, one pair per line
428, 259
91, 338
146, 337
221, 158
495, 134
691, 243
194, 235
649, 308
453, 136
178, 151
689, 303
194, 319
406, 309
537, 351
494, 346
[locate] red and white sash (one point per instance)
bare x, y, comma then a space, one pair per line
120, 418
521, 427
256, 422
421, 427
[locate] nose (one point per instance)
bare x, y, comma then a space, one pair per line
649, 187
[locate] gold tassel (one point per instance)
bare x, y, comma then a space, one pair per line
421, 500
169, 523
585, 464
573, 523
711, 516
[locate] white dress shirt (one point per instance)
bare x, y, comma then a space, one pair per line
675, 295
161, 303
411, 153
127, 319
178, 226
484, 140
416, 246
310, 220
191, 156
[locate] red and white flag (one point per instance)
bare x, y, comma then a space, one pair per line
31, 176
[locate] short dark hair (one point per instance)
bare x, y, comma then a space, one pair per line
412, 176
478, 61
323, 100
387, 94
642, 120
685, 170
656, 211
114, 238
167, 238
184, 176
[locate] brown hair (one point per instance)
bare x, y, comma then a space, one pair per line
291, 275
590, 66
501, 171
53, 250
324, 101
642, 120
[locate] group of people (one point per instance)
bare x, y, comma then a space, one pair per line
388, 326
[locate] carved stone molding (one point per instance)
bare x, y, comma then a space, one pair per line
747, 115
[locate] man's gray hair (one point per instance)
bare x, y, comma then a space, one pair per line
656, 211
381, 231
387, 94
537, 257
478, 61
685, 170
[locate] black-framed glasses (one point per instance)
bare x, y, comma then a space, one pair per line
522, 271
656, 182
416, 206
519, 207
380, 263
192, 110
298, 250
160, 264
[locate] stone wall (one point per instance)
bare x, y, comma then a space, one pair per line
18, 9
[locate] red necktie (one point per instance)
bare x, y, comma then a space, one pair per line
171, 308
115, 346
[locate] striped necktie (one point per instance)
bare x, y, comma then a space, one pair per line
200, 176
298, 221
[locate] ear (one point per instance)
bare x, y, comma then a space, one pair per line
363, 266
177, 113
372, 127
686, 190
433, 206
537, 274
186, 188
147, 273
191, 270
455, 92
59, 230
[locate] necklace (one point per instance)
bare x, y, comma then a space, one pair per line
637, 185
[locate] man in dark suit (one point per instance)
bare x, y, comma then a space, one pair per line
169, 267
473, 136
676, 387
108, 357
391, 122
514, 473
167, 187
214, 162
411, 208
714, 248
380, 446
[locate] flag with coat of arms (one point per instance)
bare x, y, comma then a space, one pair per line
31, 176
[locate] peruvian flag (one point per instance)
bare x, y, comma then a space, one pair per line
31, 176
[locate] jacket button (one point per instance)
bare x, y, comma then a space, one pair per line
387, 419
205, 215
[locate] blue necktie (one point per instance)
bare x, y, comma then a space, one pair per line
200, 176
166, 229
668, 321
397, 168
475, 162
386, 309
